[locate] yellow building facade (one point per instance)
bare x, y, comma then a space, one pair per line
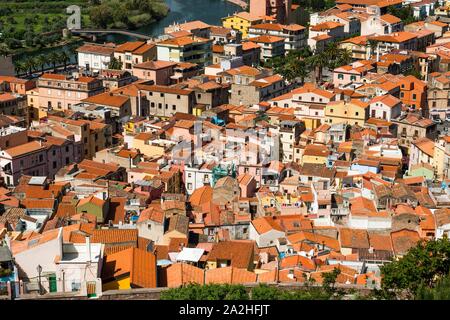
354, 112
241, 21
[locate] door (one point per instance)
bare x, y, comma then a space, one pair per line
91, 292
52, 282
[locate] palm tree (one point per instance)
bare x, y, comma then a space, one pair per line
53, 58
301, 70
332, 52
41, 61
318, 62
20, 67
373, 47
345, 56
30, 64
64, 58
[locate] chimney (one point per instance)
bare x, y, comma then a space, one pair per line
88, 248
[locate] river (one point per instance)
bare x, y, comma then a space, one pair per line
208, 11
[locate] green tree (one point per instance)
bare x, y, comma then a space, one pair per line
405, 13
422, 267
207, 292
31, 65
100, 16
53, 58
265, 292
20, 67
440, 292
412, 71
41, 61
64, 58
329, 281
318, 62
4, 51
115, 64
336, 56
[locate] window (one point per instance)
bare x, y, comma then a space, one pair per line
161, 95
199, 95
149, 226
189, 175
331, 110
54, 152
414, 96
41, 158
340, 76
159, 105
67, 160
189, 186
356, 113
402, 95
174, 107
152, 104
76, 286
352, 78
178, 96
54, 164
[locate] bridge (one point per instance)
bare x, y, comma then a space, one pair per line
111, 31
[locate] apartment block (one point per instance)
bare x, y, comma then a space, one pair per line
59, 92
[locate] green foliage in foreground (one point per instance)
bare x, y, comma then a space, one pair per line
260, 292
207, 292
422, 272
440, 292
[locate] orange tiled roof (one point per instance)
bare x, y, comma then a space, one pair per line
181, 273
138, 263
